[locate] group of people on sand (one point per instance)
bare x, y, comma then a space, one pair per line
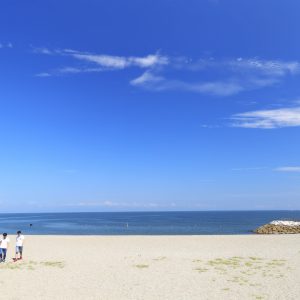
4, 245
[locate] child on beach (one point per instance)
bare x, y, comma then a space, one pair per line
4, 243
19, 245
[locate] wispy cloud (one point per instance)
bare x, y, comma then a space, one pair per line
166, 73
249, 169
278, 169
268, 119
159, 83
288, 169
244, 66
43, 74
267, 67
6, 45
68, 70
238, 75
103, 62
42, 50
122, 62
123, 205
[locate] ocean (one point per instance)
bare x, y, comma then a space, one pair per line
142, 223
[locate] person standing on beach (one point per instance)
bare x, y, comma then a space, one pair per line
4, 243
19, 245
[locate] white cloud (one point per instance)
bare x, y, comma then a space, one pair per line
249, 169
268, 119
230, 76
209, 126
72, 70
102, 62
114, 62
43, 74
273, 68
69, 70
151, 81
239, 75
122, 205
122, 62
43, 50
268, 67
147, 78
6, 45
149, 60
109, 61
288, 169
217, 88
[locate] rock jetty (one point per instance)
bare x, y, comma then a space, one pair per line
279, 227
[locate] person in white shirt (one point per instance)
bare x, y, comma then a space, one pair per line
4, 243
19, 245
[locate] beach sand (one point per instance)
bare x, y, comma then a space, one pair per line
154, 267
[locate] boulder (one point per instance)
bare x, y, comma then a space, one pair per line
279, 228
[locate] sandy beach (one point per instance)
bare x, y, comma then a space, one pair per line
154, 267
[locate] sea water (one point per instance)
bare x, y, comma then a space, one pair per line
142, 223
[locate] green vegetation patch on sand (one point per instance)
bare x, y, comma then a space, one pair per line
159, 258
142, 266
31, 265
241, 270
55, 264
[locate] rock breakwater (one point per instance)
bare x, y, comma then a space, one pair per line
279, 227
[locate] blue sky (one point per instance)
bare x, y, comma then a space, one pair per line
149, 105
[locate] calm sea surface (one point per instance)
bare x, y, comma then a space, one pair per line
144, 223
